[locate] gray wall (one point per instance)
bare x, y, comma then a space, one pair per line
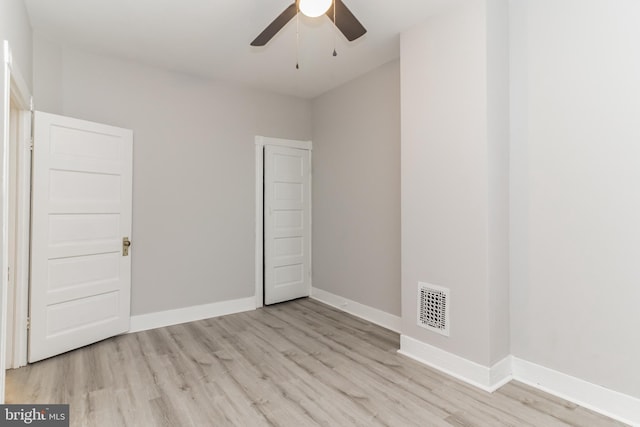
356, 190
455, 176
498, 125
47, 74
575, 188
193, 195
16, 27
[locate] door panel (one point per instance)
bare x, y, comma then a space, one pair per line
82, 188
287, 223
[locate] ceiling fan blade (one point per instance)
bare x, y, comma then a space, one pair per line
346, 22
275, 26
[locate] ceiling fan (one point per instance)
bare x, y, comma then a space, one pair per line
336, 10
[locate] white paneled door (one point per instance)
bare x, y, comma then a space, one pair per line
80, 266
287, 224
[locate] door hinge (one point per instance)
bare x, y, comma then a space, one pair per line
28, 323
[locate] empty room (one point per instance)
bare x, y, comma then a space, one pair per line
320, 212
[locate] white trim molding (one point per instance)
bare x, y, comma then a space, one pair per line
611, 403
485, 378
14, 88
365, 312
160, 319
4, 210
291, 143
23, 239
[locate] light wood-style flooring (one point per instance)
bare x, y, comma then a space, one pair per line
298, 364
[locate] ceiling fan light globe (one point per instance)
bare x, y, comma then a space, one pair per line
314, 8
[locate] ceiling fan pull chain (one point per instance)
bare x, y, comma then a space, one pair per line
298, 39
335, 28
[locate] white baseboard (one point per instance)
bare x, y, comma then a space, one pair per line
611, 403
161, 319
501, 373
488, 379
371, 314
607, 402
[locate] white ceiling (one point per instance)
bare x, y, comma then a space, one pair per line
211, 38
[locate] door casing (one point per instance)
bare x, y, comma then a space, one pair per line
260, 143
19, 218
16, 92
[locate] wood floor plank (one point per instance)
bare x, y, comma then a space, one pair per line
295, 364
560, 409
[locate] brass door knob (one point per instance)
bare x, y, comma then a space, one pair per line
125, 246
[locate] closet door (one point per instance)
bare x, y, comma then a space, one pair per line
287, 223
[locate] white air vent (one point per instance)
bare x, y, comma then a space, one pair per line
433, 308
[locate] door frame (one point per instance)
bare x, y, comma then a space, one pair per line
17, 91
260, 143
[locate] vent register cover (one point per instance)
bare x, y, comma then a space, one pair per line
433, 308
